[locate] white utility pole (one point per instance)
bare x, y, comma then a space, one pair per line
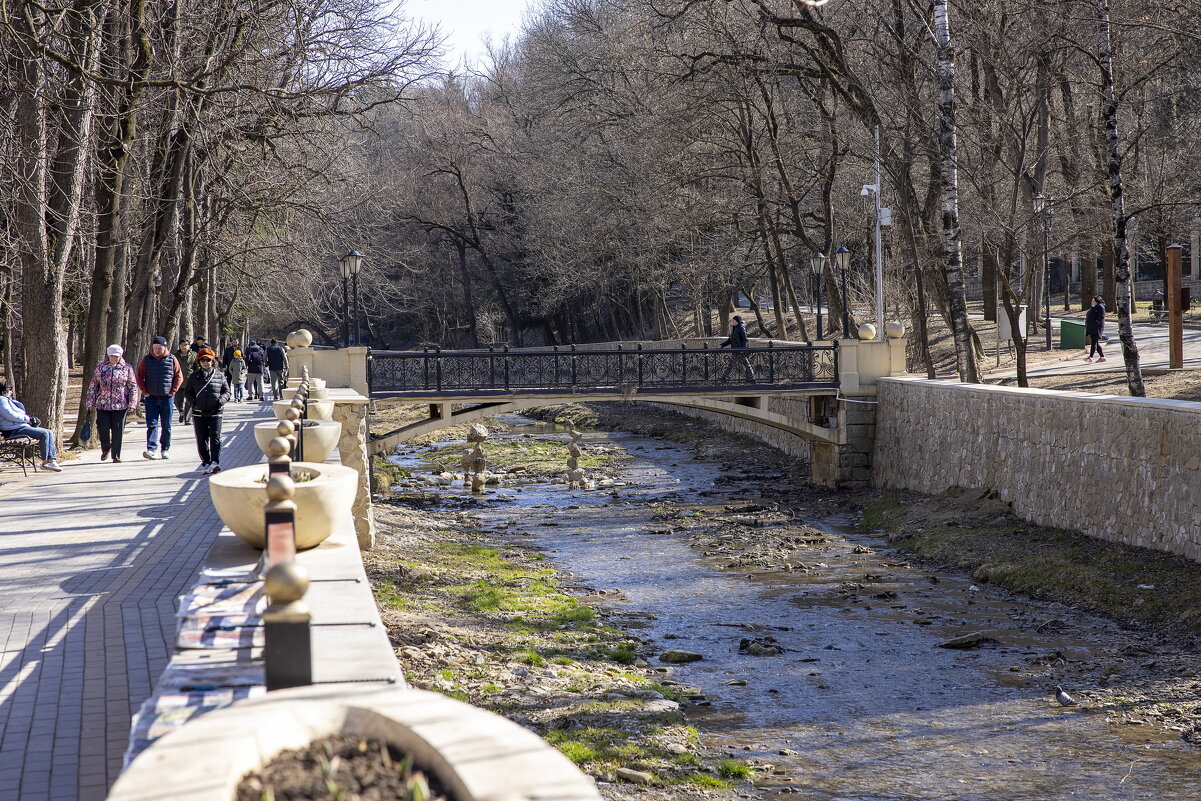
879, 250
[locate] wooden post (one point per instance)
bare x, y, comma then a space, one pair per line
1175, 309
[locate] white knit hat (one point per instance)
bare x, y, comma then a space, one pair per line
115, 350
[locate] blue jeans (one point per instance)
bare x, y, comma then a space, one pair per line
239, 392
44, 436
158, 412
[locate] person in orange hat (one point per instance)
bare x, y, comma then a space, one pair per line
207, 391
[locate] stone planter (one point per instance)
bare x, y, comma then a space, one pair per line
318, 409
320, 438
319, 394
239, 496
476, 755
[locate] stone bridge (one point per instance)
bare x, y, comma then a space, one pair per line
820, 393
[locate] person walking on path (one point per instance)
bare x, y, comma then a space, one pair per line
1094, 328
159, 378
16, 422
227, 355
277, 363
187, 363
254, 371
236, 371
113, 394
207, 392
738, 341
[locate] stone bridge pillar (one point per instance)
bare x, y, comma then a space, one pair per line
848, 464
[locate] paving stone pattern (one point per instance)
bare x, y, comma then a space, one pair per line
92, 561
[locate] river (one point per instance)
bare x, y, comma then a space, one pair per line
859, 704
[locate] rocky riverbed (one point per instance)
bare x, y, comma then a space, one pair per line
819, 673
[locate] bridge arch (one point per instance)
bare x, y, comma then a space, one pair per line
755, 408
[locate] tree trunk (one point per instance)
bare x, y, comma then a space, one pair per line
949, 175
1121, 255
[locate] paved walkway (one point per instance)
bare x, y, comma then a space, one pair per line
1152, 341
91, 563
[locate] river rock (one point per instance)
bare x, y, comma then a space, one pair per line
966, 642
679, 657
662, 705
634, 776
759, 646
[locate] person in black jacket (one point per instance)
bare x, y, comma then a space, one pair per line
1094, 328
738, 341
255, 362
207, 392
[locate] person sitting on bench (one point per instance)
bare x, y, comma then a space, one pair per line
16, 422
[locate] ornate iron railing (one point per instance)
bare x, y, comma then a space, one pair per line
568, 370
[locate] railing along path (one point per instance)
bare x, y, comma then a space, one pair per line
569, 370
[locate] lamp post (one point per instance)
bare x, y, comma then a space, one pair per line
1042, 206
354, 261
842, 258
344, 271
816, 262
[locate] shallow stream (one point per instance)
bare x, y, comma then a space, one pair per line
861, 702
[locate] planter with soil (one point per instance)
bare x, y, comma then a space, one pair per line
317, 409
320, 437
324, 497
465, 752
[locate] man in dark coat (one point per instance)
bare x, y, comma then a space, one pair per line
1094, 328
255, 361
159, 377
738, 341
207, 392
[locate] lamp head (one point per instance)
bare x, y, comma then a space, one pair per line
354, 261
842, 258
816, 261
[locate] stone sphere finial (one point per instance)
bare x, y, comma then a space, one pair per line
292, 415
280, 487
894, 329
867, 331
278, 446
286, 583
285, 428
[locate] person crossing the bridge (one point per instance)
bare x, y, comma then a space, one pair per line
739, 343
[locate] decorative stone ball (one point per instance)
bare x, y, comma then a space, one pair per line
286, 583
278, 446
304, 338
867, 331
292, 414
894, 329
281, 487
285, 428
291, 339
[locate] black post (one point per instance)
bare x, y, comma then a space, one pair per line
345, 312
357, 312
573, 366
846, 304
1047, 268
819, 306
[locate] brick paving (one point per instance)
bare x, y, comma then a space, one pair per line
92, 561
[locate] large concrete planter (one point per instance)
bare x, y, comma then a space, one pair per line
240, 494
476, 755
318, 409
320, 438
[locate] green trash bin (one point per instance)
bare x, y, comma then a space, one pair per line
1071, 334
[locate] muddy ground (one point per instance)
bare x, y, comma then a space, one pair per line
481, 616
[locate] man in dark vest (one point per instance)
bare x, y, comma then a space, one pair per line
159, 378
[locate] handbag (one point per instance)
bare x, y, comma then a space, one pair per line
85, 433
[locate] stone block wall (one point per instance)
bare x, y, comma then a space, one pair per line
1116, 468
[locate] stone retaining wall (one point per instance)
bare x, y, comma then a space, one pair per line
789, 443
1117, 468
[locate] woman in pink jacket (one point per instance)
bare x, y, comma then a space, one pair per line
113, 393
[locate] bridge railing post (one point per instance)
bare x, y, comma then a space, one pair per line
771, 362
491, 366
573, 367
683, 363
639, 358
506, 359
438, 367
425, 368
555, 351
705, 360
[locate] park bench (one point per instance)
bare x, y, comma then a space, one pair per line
19, 450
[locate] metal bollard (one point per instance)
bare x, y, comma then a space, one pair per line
288, 647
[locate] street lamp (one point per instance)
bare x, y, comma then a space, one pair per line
344, 271
1042, 207
354, 262
816, 262
842, 259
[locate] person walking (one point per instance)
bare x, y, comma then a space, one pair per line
159, 377
1094, 328
236, 372
227, 355
113, 394
277, 364
207, 391
16, 422
187, 363
254, 371
738, 341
